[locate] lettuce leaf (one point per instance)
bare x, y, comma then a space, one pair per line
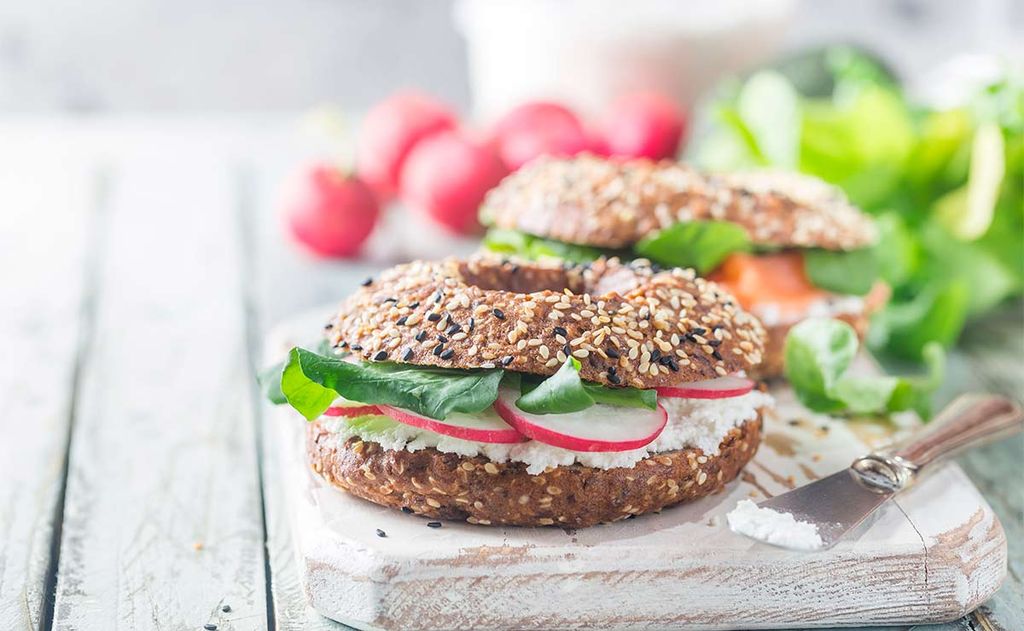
531, 248
851, 273
565, 392
701, 245
310, 383
818, 353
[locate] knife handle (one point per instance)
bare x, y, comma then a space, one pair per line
971, 420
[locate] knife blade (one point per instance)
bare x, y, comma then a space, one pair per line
837, 504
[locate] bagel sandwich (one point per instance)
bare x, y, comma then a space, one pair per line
530, 394
788, 246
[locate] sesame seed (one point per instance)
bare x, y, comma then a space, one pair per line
433, 524
498, 313
407, 510
447, 354
401, 321
381, 533
438, 349
226, 608
380, 356
356, 347
367, 282
407, 355
433, 317
422, 335
506, 360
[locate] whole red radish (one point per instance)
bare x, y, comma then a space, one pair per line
538, 128
331, 212
390, 130
446, 177
644, 125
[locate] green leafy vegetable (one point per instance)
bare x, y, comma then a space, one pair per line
853, 272
701, 245
818, 353
270, 383
565, 392
532, 248
946, 184
311, 382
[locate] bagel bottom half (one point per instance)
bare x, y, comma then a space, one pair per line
449, 486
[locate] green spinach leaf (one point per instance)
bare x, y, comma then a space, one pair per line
565, 392
853, 272
701, 245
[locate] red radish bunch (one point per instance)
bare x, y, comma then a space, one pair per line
413, 146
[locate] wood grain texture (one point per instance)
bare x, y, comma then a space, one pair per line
44, 243
162, 522
934, 555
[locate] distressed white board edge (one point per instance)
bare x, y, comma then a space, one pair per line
48, 197
934, 556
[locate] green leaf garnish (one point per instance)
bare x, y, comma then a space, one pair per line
531, 248
852, 273
565, 392
701, 245
818, 353
311, 382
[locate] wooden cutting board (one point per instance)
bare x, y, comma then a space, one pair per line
933, 554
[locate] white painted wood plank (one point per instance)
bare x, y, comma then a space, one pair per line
162, 523
46, 206
935, 555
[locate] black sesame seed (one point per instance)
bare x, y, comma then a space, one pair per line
664, 360
433, 317
611, 352
391, 299
498, 313
716, 354
367, 282
328, 326
447, 354
407, 510
655, 355
422, 335
401, 320
689, 337
356, 347
342, 344
381, 533
613, 369
506, 360
453, 329
433, 524
447, 319
793, 422
672, 364
472, 324
438, 349
380, 356
442, 339
210, 626
414, 304
560, 331
714, 343
407, 355
226, 608
612, 377
699, 331
567, 350
438, 296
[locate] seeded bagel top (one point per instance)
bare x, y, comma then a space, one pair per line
613, 204
628, 324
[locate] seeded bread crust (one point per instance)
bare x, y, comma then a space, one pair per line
628, 324
474, 489
613, 204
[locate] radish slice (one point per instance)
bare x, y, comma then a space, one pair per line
721, 388
483, 427
597, 428
351, 411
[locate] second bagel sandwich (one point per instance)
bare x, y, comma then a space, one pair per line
530, 394
788, 246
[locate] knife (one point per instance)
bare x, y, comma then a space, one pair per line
838, 503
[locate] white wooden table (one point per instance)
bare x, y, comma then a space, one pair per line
141, 262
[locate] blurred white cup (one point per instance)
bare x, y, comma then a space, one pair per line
586, 52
